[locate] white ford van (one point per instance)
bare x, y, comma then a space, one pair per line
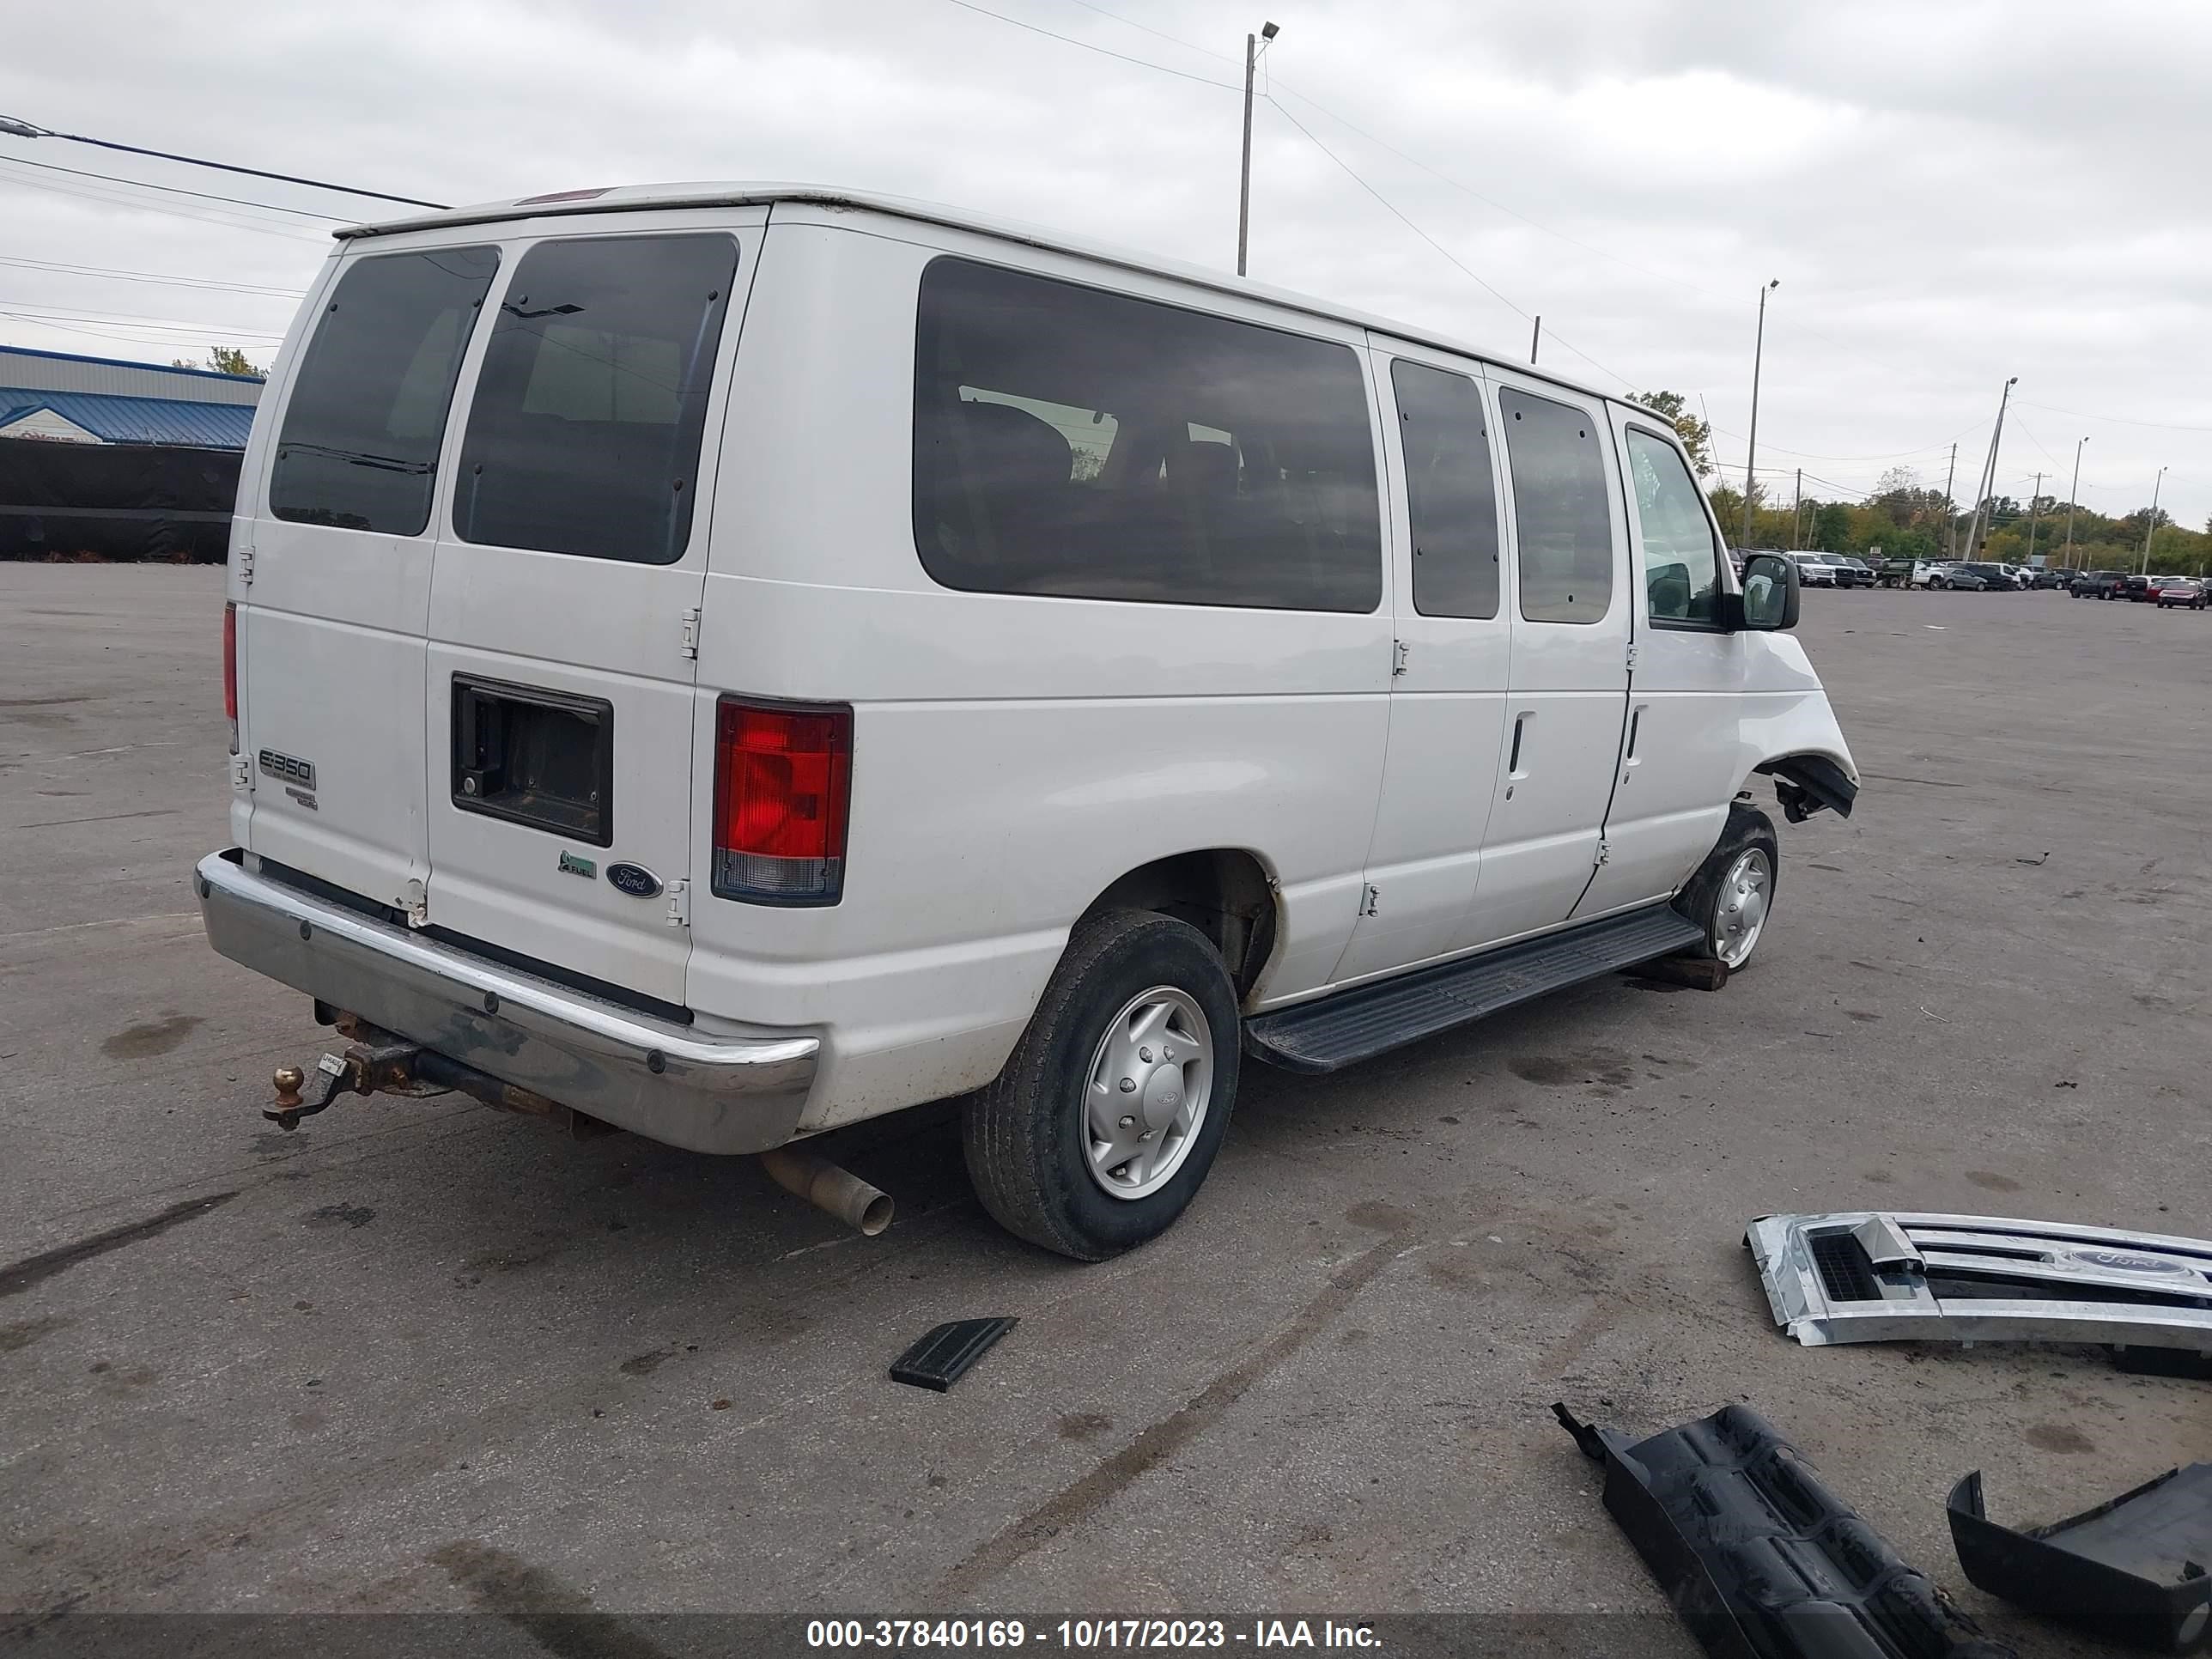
731, 661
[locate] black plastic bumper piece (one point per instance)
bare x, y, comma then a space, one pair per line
1759, 1559
2133, 1570
942, 1357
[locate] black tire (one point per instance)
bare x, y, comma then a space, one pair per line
1025, 1135
1700, 900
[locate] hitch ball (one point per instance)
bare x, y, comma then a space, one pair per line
288, 1079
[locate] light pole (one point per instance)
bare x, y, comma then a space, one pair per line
1751, 447
1989, 475
2072, 490
2151, 529
1253, 48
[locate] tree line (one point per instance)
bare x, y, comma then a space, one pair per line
1906, 519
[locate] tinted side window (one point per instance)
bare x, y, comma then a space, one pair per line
1681, 564
359, 445
1076, 442
584, 434
1564, 529
1450, 497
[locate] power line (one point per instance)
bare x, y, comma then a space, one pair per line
115, 198
1103, 52
160, 278
1130, 22
17, 307
1461, 264
2120, 420
17, 128
178, 190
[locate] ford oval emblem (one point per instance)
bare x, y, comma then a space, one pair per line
635, 879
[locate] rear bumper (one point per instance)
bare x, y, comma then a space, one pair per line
711, 1094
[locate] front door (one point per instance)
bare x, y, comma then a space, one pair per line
1679, 761
1447, 697
1567, 697
565, 599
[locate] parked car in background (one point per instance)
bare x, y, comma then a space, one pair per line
1950, 573
1819, 570
2097, 584
2180, 591
2049, 576
1996, 578
1852, 572
2138, 588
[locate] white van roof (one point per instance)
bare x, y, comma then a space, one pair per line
641, 197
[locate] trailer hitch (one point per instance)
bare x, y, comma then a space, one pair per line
363, 1069
383, 1063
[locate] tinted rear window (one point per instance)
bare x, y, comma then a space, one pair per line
584, 434
359, 445
1071, 442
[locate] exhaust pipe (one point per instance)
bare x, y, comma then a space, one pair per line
823, 1185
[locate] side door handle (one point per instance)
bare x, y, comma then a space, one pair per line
1514, 770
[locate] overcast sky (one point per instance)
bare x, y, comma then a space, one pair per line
1950, 193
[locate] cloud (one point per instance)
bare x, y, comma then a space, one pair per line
1950, 194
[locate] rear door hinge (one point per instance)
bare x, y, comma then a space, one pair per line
241, 773
690, 646
679, 903
1371, 899
245, 561
1398, 657
1604, 856
1631, 654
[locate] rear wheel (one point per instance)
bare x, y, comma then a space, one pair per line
1732, 894
1107, 1118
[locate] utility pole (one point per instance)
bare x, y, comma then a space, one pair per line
2151, 529
1795, 508
1535, 339
1950, 508
2070, 494
2034, 508
1989, 473
1252, 49
1751, 446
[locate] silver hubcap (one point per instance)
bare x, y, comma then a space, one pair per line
1746, 890
1152, 1077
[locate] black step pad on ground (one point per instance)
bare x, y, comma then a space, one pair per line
1354, 1025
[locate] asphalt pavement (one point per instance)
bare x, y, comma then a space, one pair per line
421, 1356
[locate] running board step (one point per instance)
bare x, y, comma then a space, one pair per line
1357, 1025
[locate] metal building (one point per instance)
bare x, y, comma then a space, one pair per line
59, 395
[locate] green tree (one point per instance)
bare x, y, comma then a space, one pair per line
1696, 437
1831, 528
224, 360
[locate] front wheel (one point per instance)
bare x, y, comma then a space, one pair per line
1732, 892
1105, 1121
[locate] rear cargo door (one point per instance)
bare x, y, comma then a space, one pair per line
565, 596
334, 544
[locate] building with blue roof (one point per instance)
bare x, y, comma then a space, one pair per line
64, 398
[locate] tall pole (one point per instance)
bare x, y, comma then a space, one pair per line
1535, 339
2072, 492
1244, 174
2034, 508
1989, 473
1797, 507
1950, 507
2151, 529
1751, 446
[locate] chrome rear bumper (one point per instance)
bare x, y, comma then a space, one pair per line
710, 1094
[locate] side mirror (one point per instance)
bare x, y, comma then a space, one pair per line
1768, 600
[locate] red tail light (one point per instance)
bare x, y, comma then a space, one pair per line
230, 670
783, 781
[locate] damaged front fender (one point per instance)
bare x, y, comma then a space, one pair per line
1806, 783
1789, 732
